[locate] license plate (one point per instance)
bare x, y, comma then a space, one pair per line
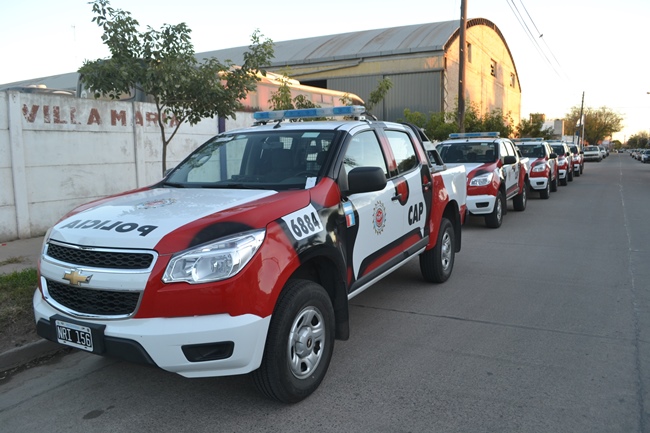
74, 335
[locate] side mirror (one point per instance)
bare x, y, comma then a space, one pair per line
510, 159
366, 179
553, 155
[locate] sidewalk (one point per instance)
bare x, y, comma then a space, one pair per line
26, 253
27, 250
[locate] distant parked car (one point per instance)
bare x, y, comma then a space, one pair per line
645, 156
592, 153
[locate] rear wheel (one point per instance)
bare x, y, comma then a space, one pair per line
494, 219
437, 263
299, 344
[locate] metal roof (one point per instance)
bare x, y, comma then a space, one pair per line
353, 45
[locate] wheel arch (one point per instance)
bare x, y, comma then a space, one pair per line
323, 265
452, 213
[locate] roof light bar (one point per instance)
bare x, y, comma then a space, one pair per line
530, 139
302, 113
474, 134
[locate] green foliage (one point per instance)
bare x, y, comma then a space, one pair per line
533, 127
16, 292
639, 140
162, 64
378, 95
439, 125
281, 99
599, 123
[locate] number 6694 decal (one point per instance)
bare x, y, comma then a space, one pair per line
304, 222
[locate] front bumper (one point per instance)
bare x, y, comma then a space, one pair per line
538, 183
183, 345
480, 204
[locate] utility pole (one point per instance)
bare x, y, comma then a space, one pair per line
461, 66
582, 121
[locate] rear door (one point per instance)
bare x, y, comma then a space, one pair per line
376, 222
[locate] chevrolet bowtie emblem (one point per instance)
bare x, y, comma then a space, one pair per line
76, 278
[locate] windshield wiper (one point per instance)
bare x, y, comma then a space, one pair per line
175, 185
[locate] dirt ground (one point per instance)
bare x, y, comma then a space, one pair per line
18, 333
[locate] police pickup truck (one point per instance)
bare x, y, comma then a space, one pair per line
496, 172
244, 257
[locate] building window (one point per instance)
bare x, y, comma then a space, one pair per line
512, 79
469, 52
493, 68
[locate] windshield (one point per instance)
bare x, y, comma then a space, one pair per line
277, 159
467, 152
532, 151
559, 150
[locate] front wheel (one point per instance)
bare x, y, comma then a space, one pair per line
437, 263
494, 219
520, 200
554, 184
299, 344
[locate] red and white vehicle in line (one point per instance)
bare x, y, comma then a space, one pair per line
495, 173
244, 257
564, 161
542, 169
578, 159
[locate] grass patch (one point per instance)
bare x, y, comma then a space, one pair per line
16, 292
12, 261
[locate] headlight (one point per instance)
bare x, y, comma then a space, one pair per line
216, 261
481, 180
539, 167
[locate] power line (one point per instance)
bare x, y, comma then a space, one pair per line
534, 39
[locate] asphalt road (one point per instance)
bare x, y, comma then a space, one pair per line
543, 327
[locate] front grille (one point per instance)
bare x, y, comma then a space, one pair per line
96, 302
100, 259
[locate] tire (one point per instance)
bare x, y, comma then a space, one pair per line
437, 263
521, 199
546, 193
569, 175
554, 184
494, 219
299, 344
565, 181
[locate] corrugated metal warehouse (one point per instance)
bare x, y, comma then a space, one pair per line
420, 60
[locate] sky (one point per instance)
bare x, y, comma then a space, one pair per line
562, 49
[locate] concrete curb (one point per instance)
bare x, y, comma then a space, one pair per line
27, 353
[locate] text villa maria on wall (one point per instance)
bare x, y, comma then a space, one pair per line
89, 115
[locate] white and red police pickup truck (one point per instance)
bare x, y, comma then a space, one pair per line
495, 173
244, 257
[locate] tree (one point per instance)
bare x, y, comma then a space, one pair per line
282, 100
639, 140
439, 125
377, 95
533, 127
599, 123
163, 64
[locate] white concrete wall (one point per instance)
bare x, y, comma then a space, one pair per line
57, 152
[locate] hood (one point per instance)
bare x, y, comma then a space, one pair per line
475, 168
141, 219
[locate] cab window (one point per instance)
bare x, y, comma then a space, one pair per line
402, 147
364, 150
